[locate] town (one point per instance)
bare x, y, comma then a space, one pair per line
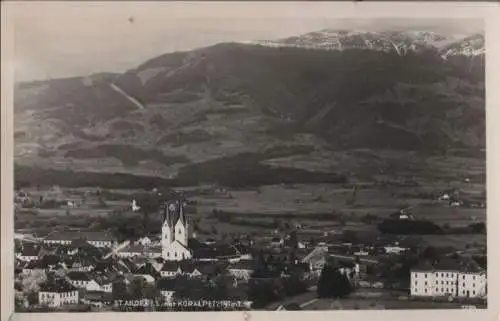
176, 264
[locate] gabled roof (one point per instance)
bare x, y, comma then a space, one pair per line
188, 266
36, 265
146, 269
78, 235
79, 276
215, 251
98, 296
446, 265
101, 279
170, 266
30, 250
50, 259
249, 265
57, 286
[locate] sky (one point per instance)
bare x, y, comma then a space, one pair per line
54, 40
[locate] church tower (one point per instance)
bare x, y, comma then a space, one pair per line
175, 232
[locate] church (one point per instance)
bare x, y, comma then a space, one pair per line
175, 233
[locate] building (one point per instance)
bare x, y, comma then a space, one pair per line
449, 278
97, 239
56, 293
147, 272
83, 280
28, 253
242, 270
175, 233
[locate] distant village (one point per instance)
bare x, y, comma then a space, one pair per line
178, 271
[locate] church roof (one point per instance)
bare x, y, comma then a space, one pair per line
173, 212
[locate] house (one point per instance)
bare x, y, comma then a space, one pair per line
56, 293
144, 241
452, 278
79, 264
105, 282
61, 237
97, 299
97, 239
83, 280
242, 270
66, 250
166, 286
35, 267
277, 242
394, 249
244, 251
189, 269
132, 251
170, 269
214, 252
147, 272
28, 252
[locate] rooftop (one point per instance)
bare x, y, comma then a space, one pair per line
455, 265
79, 276
76, 235
57, 286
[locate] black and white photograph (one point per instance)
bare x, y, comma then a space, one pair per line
168, 162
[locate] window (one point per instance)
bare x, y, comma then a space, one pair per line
463, 284
175, 254
463, 291
474, 278
415, 282
425, 290
473, 292
463, 277
437, 282
446, 274
425, 275
473, 285
425, 282
442, 282
442, 274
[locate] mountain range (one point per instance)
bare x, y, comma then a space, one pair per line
217, 110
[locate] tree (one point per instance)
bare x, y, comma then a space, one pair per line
119, 289
32, 298
333, 284
136, 288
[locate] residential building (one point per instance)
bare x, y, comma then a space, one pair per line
56, 293
28, 253
97, 239
242, 270
83, 280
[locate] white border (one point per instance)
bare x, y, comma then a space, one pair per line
240, 10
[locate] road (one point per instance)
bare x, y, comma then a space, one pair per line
303, 299
362, 260
127, 96
116, 249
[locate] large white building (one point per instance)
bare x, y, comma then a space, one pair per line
448, 278
175, 233
57, 293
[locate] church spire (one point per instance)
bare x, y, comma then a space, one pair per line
182, 217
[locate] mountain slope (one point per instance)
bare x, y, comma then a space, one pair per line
229, 99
